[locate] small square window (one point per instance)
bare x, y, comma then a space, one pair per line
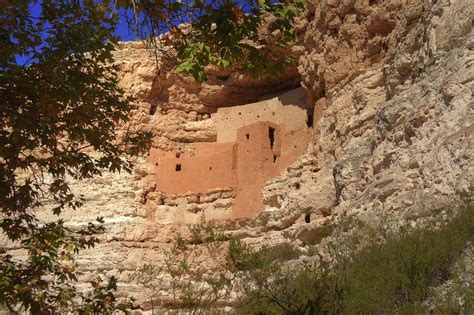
178, 168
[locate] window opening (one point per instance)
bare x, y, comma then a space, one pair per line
153, 108
309, 121
223, 77
178, 168
307, 218
178, 155
247, 135
271, 135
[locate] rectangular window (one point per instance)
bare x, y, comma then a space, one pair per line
309, 120
271, 135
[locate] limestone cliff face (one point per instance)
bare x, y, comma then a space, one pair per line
389, 85
395, 79
175, 107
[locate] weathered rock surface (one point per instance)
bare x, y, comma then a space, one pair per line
392, 137
175, 107
392, 86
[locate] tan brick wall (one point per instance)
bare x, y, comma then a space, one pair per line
288, 111
250, 150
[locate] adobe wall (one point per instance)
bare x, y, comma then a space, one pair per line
209, 167
288, 110
262, 157
192, 208
294, 144
255, 154
255, 151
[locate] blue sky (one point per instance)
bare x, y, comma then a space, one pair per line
122, 31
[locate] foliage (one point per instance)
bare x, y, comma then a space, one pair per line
61, 106
281, 252
207, 266
377, 273
391, 277
253, 36
195, 286
148, 277
102, 299
457, 299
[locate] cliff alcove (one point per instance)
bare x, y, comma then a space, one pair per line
254, 143
381, 129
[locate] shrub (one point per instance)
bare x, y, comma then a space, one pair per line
398, 274
391, 277
395, 276
281, 252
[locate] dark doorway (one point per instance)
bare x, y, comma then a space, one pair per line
271, 135
309, 121
223, 77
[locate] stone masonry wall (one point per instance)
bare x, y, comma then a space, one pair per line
259, 151
288, 110
390, 86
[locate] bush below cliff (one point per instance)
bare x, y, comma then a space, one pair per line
396, 276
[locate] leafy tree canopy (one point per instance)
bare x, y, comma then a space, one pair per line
57, 107
250, 35
60, 108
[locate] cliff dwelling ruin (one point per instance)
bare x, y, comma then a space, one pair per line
255, 143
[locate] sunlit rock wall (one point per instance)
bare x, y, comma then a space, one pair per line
389, 87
